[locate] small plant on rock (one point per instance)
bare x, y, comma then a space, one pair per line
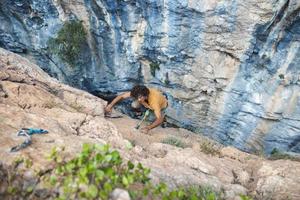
277, 155
244, 197
281, 76
174, 141
209, 148
153, 67
69, 41
76, 106
94, 174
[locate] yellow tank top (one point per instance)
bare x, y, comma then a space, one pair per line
157, 101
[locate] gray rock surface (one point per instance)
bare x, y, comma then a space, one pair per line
229, 68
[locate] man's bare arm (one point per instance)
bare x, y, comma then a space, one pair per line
120, 97
158, 121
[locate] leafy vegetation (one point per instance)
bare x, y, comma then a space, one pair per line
244, 197
174, 141
281, 76
12, 180
97, 170
69, 41
209, 148
76, 106
277, 155
153, 67
94, 174
133, 142
50, 104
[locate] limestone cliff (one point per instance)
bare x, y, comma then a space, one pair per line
229, 68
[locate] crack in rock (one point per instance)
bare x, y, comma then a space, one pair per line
83, 122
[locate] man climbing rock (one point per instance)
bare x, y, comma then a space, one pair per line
149, 98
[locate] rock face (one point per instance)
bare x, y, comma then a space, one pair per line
30, 98
229, 68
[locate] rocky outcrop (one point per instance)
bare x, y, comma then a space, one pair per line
30, 98
229, 68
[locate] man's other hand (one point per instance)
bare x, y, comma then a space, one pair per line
145, 130
107, 110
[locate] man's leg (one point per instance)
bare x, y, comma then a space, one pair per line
137, 108
151, 118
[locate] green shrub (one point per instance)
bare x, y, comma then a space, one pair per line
194, 193
133, 142
209, 148
96, 172
50, 104
153, 67
76, 106
174, 141
244, 197
281, 76
277, 155
69, 41
167, 82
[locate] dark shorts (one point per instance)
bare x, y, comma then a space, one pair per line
151, 117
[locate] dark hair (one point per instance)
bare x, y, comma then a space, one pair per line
139, 90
